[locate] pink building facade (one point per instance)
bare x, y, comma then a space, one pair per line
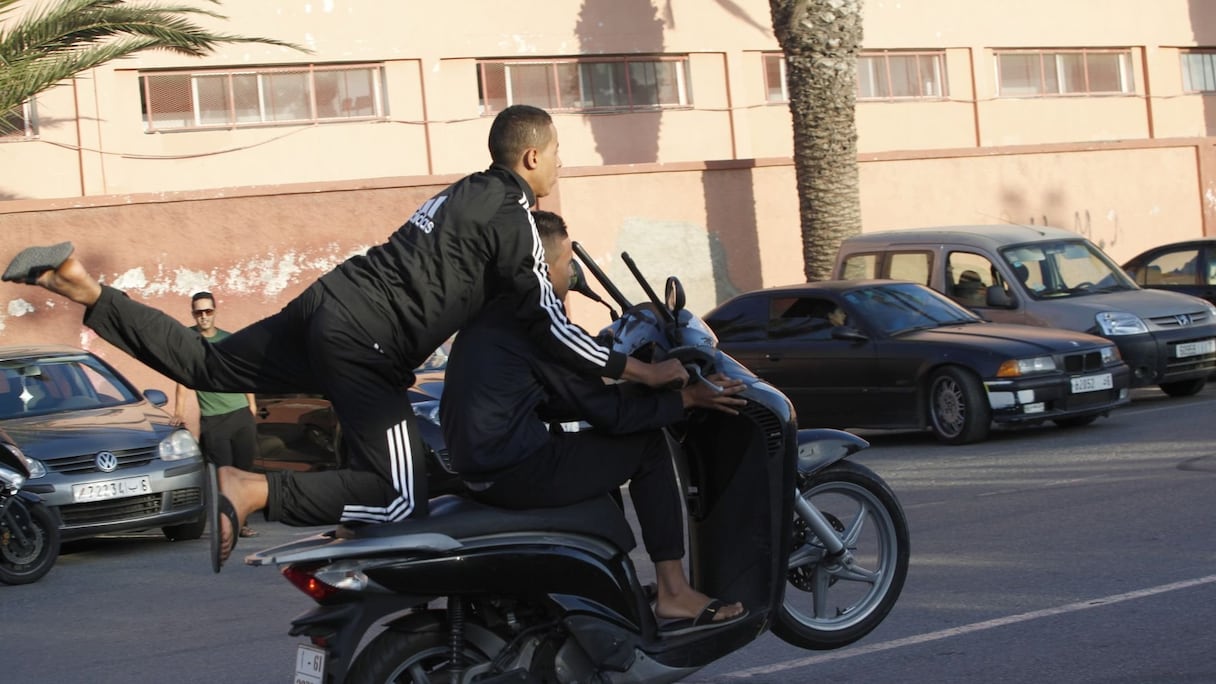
254, 170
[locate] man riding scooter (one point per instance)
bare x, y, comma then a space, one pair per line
501, 390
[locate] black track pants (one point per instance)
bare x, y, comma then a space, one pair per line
315, 346
577, 466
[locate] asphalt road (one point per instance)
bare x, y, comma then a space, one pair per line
1084, 555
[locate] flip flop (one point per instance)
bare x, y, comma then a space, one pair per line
32, 262
704, 620
217, 505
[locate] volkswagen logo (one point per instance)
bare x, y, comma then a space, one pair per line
1183, 319
106, 462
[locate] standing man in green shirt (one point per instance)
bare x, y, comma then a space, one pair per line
227, 433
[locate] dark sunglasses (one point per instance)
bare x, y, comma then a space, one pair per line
203, 312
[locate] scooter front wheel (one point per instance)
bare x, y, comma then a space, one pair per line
29, 542
835, 599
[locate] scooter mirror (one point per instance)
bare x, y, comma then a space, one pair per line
674, 294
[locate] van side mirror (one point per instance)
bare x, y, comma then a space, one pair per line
998, 298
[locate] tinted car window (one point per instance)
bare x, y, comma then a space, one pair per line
806, 318
860, 267
744, 319
893, 309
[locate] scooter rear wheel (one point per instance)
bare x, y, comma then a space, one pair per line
832, 601
420, 656
29, 542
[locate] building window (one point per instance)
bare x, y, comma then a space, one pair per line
1199, 71
585, 84
232, 98
1029, 73
882, 75
774, 78
19, 124
890, 75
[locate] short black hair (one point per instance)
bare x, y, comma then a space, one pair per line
516, 129
202, 295
550, 226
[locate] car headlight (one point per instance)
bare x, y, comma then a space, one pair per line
1120, 323
1016, 367
36, 468
427, 410
1110, 355
179, 446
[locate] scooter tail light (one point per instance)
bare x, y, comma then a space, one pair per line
304, 578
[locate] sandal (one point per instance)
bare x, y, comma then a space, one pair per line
703, 620
217, 505
32, 262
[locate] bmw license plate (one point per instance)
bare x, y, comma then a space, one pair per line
310, 665
111, 489
1092, 383
1194, 348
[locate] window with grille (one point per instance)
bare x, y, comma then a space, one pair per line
1029, 73
585, 84
881, 75
19, 124
1199, 71
258, 97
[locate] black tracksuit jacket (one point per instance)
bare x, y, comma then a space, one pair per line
471, 242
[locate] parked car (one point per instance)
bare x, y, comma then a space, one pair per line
112, 461
887, 354
1188, 267
301, 432
1054, 278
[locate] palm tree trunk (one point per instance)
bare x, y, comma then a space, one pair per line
820, 39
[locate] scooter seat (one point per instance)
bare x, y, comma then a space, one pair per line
460, 517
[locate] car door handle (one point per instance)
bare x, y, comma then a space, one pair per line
772, 357
263, 413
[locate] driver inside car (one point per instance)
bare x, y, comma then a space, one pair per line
501, 392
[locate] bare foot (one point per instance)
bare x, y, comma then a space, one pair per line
247, 492
72, 281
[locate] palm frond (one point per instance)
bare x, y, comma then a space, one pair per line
59, 41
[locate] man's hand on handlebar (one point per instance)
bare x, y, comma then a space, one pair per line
669, 373
705, 395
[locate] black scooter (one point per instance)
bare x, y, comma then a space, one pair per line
816, 547
29, 530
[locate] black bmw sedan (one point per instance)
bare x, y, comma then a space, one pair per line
890, 354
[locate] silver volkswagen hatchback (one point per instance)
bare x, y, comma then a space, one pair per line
104, 455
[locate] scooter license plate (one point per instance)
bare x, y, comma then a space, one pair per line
310, 665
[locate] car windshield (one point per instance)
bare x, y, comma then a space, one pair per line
36, 386
902, 307
1064, 268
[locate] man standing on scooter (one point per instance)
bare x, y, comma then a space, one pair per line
500, 389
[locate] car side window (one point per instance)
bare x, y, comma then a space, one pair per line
1172, 268
741, 320
969, 275
914, 266
804, 318
860, 267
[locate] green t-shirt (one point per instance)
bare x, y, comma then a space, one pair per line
218, 403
